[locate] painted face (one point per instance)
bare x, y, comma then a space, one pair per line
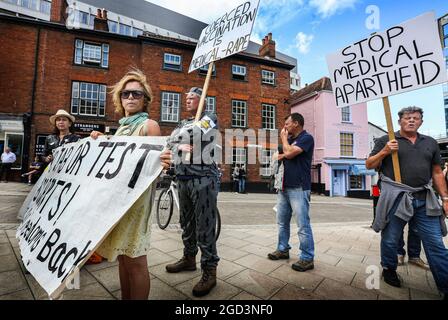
62, 123
410, 122
192, 102
132, 104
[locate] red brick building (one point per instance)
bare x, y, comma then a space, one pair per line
46, 66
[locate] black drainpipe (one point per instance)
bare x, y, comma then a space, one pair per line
28, 117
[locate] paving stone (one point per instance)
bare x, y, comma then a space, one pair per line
233, 243
422, 295
345, 254
222, 291
3, 238
227, 269
334, 245
302, 280
245, 296
18, 295
335, 290
327, 258
260, 240
290, 292
94, 291
235, 234
231, 254
260, 264
417, 282
174, 278
102, 265
384, 289
9, 263
5, 249
38, 292
158, 291
11, 281
256, 283
332, 272
109, 277
350, 265
156, 257
167, 245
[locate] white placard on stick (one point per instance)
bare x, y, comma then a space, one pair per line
405, 57
227, 35
82, 195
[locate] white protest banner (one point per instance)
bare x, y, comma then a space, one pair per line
78, 200
403, 58
225, 36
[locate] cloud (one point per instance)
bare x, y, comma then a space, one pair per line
327, 8
303, 42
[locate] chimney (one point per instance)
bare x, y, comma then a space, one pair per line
58, 11
268, 47
100, 22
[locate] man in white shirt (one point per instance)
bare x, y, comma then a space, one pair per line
8, 158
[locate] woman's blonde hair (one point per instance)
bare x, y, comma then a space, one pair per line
133, 75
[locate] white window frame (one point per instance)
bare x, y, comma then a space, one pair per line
341, 146
169, 97
268, 77
211, 104
83, 55
172, 61
264, 115
239, 71
349, 113
91, 95
237, 107
204, 70
239, 156
265, 162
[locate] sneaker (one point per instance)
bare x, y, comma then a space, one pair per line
419, 263
23, 175
391, 278
277, 255
303, 265
29, 183
400, 258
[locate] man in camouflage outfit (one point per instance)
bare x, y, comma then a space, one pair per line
193, 144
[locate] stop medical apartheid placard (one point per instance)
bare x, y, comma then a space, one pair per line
227, 35
79, 198
405, 57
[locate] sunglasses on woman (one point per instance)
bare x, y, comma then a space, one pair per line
136, 94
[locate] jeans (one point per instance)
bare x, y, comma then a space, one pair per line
430, 233
414, 244
297, 201
242, 185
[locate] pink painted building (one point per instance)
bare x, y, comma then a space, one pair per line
341, 138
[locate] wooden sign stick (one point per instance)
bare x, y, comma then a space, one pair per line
202, 101
390, 131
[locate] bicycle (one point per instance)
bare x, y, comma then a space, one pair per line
165, 208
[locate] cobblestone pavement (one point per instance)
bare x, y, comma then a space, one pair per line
344, 251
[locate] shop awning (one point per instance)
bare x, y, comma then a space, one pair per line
11, 125
361, 170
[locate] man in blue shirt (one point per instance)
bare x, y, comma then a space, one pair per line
294, 196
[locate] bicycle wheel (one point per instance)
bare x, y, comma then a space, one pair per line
218, 225
164, 208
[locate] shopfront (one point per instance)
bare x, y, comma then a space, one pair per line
12, 135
